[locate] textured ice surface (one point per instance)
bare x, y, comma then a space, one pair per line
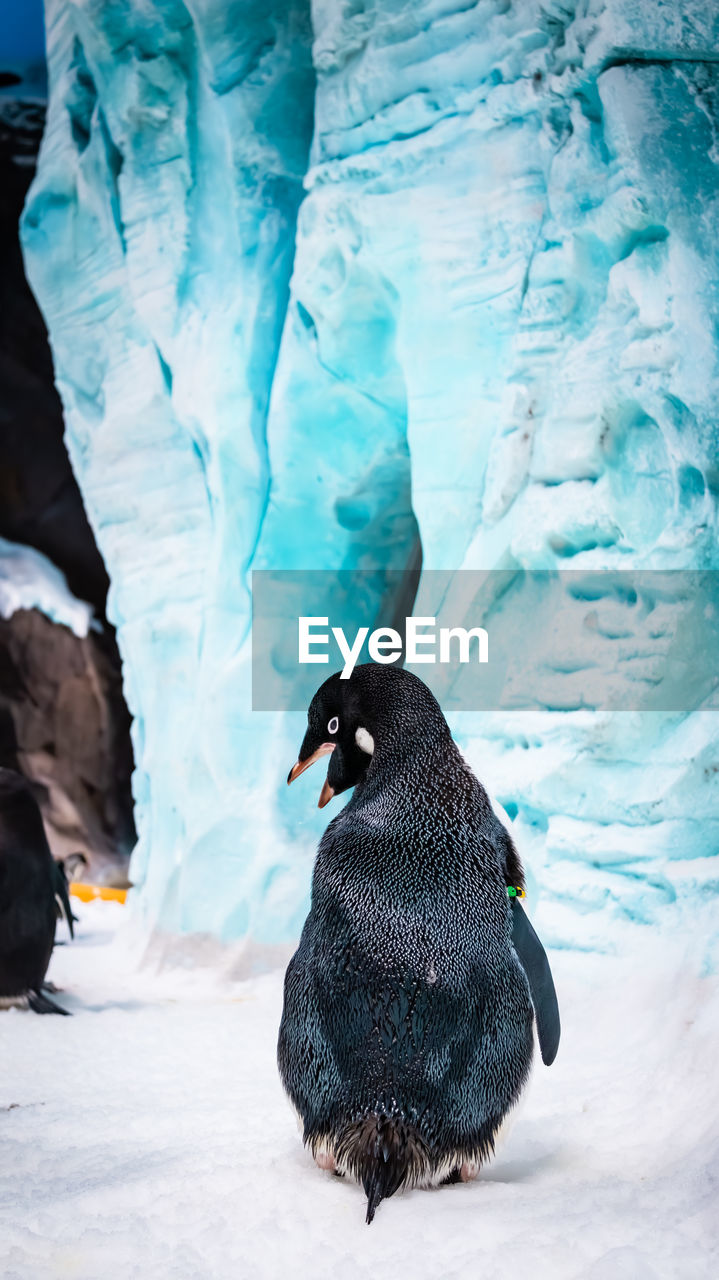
177, 1154
28, 580
488, 322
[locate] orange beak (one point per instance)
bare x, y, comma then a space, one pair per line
327, 792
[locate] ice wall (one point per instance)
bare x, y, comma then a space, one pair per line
489, 320
159, 238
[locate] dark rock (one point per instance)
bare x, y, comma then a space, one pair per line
65, 726
40, 503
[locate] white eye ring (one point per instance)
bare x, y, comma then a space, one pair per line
333, 725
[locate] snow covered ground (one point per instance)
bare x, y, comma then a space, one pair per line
147, 1136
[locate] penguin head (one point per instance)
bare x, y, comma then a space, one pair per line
378, 713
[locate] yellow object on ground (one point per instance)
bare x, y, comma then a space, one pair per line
88, 892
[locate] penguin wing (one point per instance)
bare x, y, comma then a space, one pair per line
62, 895
533, 959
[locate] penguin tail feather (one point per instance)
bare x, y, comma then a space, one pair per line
384, 1153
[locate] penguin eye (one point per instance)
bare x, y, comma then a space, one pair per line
333, 725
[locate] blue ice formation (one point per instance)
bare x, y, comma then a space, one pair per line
327, 285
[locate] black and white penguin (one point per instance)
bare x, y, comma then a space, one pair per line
406, 1034
67, 869
30, 884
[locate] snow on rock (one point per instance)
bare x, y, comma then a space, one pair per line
149, 1136
28, 580
487, 323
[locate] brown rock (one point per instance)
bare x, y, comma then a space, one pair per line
65, 726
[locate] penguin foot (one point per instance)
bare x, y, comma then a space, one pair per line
325, 1160
466, 1172
40, 1003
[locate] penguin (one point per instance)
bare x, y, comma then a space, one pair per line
30, 881
406, 1035
66, 870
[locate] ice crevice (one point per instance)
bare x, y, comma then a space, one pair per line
331, 286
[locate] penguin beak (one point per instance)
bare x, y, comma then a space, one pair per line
326, 795
327, 792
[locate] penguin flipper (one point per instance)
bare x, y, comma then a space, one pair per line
40, 1003
533, 959
62, 894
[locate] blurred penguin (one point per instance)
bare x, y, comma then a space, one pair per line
31, 883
